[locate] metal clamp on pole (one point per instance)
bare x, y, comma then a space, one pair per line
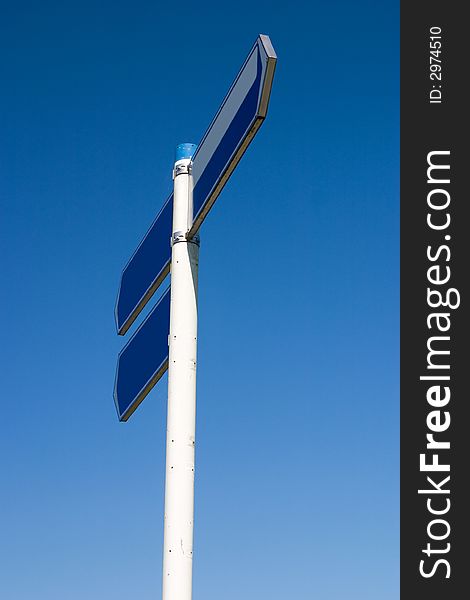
181, 416
182, 168
178, 236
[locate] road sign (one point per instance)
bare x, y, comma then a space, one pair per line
146, 269
143, 360
233, 128
228, 136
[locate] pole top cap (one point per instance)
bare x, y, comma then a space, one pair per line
184, 151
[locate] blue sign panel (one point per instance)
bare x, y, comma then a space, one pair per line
143, 360
233, 128
146, 269
228, 136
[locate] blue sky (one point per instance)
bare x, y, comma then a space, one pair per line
297, 426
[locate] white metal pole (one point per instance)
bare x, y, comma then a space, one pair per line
181, 417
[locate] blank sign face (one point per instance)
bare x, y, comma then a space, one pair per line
143, 360
233, 128
145, 271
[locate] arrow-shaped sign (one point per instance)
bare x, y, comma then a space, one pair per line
228, 136
143, 360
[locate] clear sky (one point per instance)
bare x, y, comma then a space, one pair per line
297, 428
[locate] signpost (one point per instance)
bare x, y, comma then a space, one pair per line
167, 339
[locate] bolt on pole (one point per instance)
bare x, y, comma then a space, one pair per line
181, 416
